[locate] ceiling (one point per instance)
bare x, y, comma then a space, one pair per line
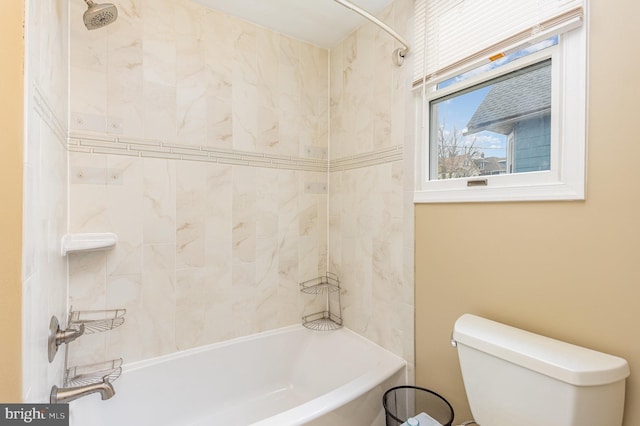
321, 22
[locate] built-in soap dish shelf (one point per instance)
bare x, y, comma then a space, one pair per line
93, 373
97, 321
331, 317
76, 243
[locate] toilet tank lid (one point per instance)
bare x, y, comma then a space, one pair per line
563, 361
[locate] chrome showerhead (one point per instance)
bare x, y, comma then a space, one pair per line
99, 15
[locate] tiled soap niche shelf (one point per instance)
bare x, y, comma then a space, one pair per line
77, 243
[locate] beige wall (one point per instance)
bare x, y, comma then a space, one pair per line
567, 270
11, 75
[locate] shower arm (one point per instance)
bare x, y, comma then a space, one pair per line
399, 53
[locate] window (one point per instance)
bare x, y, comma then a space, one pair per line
499, 126
509, 126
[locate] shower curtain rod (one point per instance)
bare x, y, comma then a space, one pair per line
399, 53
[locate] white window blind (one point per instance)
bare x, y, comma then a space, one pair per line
451, 34
420, 36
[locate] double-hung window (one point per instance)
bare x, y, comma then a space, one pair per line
501, 89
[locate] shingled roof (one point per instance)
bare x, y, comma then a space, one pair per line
508, 100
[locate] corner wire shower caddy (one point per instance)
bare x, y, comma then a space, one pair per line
327, 319
93, 373
97, 321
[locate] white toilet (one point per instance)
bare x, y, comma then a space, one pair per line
516, 378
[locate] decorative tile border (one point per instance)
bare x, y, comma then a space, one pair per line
382, 156
48, 115
99, 144
104, 144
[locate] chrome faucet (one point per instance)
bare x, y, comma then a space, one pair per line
64, 395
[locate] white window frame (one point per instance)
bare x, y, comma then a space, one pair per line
566, 178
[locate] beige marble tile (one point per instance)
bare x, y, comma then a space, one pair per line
158, 299
219, 213
219, 63
267, 205
243, 223
88, 280
245, 87
159, 102
219, 110
125, 201
159, 201
191, 180
88, 204
125, 291
159, 110
192, 299
190, 74
215, 242
245, 298
125, 72
289, 97
218, 315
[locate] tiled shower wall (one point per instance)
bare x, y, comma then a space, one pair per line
202, 141
44, 270
371, 181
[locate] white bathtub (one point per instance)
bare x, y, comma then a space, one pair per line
290, 376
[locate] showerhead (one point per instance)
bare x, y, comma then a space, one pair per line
99, 15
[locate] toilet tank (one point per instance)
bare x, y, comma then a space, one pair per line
514, 377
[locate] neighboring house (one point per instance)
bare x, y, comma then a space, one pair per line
458, 166
520, 108
467, 166
491, 165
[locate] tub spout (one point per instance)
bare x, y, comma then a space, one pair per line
64, 395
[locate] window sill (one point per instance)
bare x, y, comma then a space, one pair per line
541, 192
